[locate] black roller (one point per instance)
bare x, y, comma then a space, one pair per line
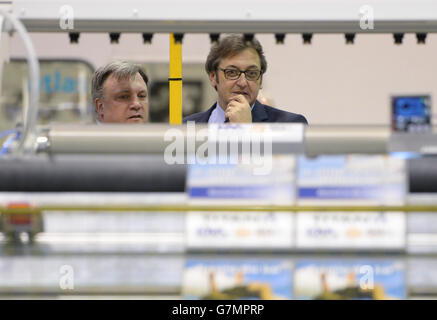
136, 173
422, 174
92, 173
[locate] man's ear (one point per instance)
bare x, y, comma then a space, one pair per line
98, 103
213, 79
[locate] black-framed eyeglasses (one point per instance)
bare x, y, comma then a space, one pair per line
234, 74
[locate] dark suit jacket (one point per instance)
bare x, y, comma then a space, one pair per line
260, 113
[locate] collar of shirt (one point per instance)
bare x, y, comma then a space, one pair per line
218, 114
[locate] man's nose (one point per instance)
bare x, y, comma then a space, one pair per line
242, 81
135, 104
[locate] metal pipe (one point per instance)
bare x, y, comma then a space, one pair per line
30, 121
108, 138
327, 140
156, 138
117, 138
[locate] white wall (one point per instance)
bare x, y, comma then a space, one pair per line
328, 81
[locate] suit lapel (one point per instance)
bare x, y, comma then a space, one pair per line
204, 116
259, 114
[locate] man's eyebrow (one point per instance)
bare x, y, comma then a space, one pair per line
251, 66
122, 90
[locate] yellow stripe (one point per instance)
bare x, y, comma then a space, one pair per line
175, 87
183, 208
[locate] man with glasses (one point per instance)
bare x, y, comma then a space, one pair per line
235, 68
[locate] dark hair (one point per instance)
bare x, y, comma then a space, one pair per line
120, 69
229, 46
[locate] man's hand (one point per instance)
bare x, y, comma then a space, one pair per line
238, 110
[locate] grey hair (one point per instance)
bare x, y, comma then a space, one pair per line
120, 69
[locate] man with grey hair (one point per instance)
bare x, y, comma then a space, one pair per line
119, 91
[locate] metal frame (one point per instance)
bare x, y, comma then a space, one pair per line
225, 16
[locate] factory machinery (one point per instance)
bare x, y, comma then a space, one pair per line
111, 211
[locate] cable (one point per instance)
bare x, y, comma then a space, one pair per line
32, 114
